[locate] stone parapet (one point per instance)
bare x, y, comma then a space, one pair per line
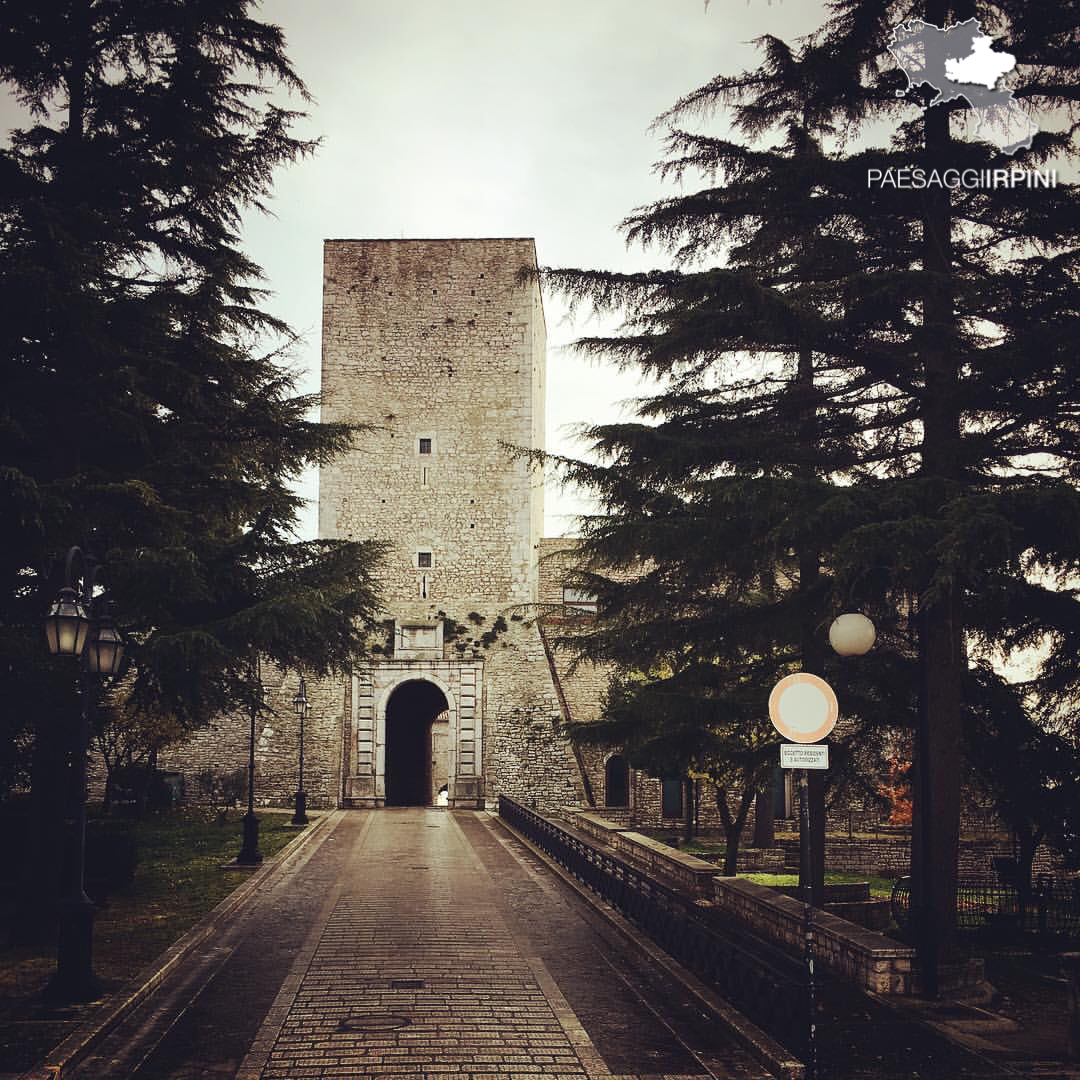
870, 960
688, 874
593, 825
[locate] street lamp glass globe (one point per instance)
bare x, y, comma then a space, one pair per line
105, 649
852, 634
300, 702
66, 625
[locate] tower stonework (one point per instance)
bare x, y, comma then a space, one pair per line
438, 348
436, 340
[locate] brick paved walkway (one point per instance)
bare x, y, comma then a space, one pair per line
418, 943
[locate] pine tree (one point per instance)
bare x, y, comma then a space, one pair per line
869, 394
149, 413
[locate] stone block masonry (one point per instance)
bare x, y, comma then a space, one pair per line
438, 348
864, 957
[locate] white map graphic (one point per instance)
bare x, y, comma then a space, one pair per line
960, 62
983, 66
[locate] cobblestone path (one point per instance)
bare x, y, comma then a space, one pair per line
420, 943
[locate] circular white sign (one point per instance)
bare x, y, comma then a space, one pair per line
803, 708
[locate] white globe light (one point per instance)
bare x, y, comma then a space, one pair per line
852, 634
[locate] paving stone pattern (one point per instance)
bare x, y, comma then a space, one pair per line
448, 956
630, 1009
418, 909
416, 944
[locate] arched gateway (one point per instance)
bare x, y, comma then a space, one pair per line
417, 715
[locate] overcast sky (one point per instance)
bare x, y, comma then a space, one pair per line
493, 118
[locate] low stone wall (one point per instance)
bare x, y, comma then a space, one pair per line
766, 860
670, 865
870, 960
593, 825
891, 856
690, 875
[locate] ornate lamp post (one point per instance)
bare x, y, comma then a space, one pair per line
79, 624
250, 855
300, 704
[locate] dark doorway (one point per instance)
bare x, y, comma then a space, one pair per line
410, 712
616, 781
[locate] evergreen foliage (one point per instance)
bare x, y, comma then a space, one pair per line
149, 413
869, 402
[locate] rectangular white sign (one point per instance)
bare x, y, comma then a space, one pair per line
804, 755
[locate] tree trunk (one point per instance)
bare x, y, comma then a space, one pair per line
812, 648
936, 804
1028, 839
733, 827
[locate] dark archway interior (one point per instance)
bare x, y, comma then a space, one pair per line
409, 714
616, 781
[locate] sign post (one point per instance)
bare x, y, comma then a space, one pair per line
803, 708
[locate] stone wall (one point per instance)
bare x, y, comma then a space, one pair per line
436, 340
867, 958
891, 857
222, 746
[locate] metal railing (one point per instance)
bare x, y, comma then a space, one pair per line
763, 982
1051, 906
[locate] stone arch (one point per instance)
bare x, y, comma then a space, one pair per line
398, 781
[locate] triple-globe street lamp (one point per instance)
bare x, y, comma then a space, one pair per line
79, 624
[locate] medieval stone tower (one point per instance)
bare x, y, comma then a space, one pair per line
439, 347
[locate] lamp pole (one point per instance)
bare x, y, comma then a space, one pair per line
79, 624
250, 855
300, 704
803, 708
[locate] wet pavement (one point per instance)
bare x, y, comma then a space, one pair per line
417, 943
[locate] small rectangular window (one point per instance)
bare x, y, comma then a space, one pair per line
423, 559
671, 797
425, 446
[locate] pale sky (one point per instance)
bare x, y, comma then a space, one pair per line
493, 118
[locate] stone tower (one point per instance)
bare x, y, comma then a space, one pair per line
439, 347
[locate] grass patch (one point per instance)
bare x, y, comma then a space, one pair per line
177, 881
880, 887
